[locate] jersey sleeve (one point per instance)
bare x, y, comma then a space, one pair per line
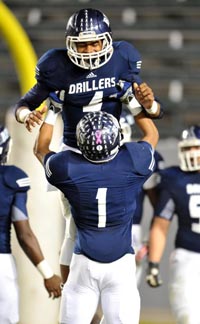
34, 97
153, 179
17, 180
142, 155
132, 55
165, 207
53, 171
19, 210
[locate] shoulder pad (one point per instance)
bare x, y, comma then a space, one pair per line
16, 179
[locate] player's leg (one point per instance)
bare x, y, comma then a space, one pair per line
119, 293
9, 295
80, 295
183, 286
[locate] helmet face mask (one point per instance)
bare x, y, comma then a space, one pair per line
4, 144
189, 149
98, 136
89, 25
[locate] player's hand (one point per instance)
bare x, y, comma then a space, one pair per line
54, 286
142, 253
153, 275
34, 118
144, 95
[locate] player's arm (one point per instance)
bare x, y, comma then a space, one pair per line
157, 242
145, 96
43, 140
139, 97
30, 118
148, 129
31, 248
26, 111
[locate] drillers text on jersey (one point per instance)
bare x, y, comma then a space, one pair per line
92, 85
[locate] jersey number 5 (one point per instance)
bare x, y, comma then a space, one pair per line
194, 208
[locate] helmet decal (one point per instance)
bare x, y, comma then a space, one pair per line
98, 136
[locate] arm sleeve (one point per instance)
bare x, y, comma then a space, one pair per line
19, 210
34, 97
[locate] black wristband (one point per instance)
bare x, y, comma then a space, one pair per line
153, 265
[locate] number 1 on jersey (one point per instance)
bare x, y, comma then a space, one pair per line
101, 197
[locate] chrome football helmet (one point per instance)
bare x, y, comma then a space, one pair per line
89, 25
4, 144
126, 123
98, 136
189, 149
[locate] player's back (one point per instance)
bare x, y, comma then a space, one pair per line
102, 198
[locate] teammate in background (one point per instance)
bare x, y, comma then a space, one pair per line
103, 266
14, 184
139, 239
180, 194
91, 74
149, 189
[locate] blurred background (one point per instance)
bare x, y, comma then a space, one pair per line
167, 35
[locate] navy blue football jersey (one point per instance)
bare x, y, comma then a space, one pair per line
179, 193
137, 218
85, 90
102, 197
14, 184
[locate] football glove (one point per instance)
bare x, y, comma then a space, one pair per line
153, 275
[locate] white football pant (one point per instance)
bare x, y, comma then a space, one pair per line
113, 284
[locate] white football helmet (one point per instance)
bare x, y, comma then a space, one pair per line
189, 149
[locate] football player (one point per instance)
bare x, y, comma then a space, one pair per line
89, 73
179, 193
101, 185
14, 184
